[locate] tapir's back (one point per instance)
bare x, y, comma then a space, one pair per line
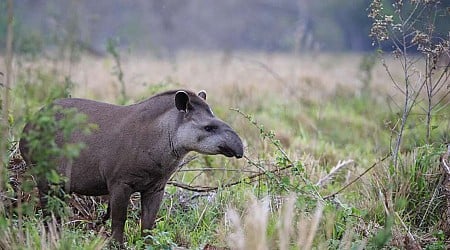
97, 112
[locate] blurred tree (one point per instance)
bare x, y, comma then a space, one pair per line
170, 25
338, 25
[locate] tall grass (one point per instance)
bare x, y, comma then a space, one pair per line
35, 235
5, 95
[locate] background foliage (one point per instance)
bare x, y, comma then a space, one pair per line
165, 26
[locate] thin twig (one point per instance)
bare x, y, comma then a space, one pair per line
411, 236
265, 134
217, 169
431, 202
383, 62
202, 189
356, 179
445, 158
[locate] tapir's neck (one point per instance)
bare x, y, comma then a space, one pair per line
160, 141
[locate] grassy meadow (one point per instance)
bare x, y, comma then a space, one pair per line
318, 130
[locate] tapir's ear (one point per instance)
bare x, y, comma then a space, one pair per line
182, 101
202, 94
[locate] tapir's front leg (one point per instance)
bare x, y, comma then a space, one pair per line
150, 203
119, 198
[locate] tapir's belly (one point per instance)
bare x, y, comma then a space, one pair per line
84, 175
86, 180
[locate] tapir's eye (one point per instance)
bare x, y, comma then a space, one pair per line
210, 128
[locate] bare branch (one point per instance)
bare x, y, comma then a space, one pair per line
441, 99
411, 25
386, 68
217, 169
439, 80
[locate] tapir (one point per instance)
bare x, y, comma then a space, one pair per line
136, 148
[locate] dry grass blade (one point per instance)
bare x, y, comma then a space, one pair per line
341, 164
53, 234
286, 222
249, 232
236, 238
256, 224
357, 178
445, 160
306, 237
308, 228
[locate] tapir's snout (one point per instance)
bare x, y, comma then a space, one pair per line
239, 149
240, 153
233, 146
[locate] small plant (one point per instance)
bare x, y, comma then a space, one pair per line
160, 239
411, 26
366, 67
118, 72
280, 183
41, 141
410, 183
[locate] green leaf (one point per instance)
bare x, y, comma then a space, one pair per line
10, 119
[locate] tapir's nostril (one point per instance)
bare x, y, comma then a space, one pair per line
230, 152
227, 151
239, 152
233, 146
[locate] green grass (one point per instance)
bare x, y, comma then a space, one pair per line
307, 137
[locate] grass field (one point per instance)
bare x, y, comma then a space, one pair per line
311, 124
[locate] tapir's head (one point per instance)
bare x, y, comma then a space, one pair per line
199, 130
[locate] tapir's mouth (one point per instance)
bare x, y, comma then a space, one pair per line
228, 152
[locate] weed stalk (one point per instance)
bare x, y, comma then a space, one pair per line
112, 49
4, 102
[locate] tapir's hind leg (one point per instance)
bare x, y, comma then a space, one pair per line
105, 217
44, 189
